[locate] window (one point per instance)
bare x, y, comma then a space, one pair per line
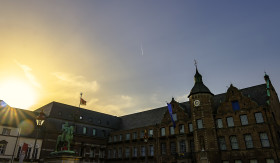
3, 145
248, 141
162, 131
230, 122
269, 160
114, 153
163, 148
109, 153
127, 153
110, 139
143, 153
120, 137
35, 153
244, 120
235, 105
135, 152
254, 161
134, 135
259, 117
127, 137
104, 133
27, 156
222, 143
219, 123
94, 132
233, 142
199, 123
6, 131
120, 153
237, 161
173, 148
115, 138
84, 130
142, 133
181, 129
190, 127
264, 140
18, 152
174, 116
182, 144
151, 133
151, 150
171, 130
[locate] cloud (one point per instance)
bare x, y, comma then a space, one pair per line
80, 82
27, 71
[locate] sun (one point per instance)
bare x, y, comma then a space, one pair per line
17, 93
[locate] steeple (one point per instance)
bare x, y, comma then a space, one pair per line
198, 87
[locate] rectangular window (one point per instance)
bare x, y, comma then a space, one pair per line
127, 137
127, 152
135, 152
143, 153
2, 148
162, 131
114, 153
94, 132
244, 120
115, 138
219, 123
269, 160
163, 148
233, 142
120, 153
222, 143
120, 137
181, 129
259, 117
151, 133
134, 135
182, 146
174, 116
6, 131
171, 130
248, 141
264, 140
151, 152
173, 148
190, 127
84, 130
199, 123
110, 139
142, 133
230, 122
254, 161
235, 105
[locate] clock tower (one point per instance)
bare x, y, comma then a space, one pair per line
205, 137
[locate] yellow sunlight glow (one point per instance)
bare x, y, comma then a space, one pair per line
17, 93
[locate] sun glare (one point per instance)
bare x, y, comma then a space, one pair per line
17, 94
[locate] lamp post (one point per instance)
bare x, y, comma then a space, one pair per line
39, 122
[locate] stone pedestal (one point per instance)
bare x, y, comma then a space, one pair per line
62, 157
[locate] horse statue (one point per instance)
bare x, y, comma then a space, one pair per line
64, 140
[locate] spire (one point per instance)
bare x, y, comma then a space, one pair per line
198, 87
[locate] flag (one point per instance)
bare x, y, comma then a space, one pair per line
83, 102
171, 115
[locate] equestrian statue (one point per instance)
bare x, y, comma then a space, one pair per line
64, 140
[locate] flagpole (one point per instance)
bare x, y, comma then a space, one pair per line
80, 99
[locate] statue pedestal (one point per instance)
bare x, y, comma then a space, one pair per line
63, 157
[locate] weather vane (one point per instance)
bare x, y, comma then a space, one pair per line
195, 63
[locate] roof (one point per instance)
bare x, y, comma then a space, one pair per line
199, 87
141, 119
73, 113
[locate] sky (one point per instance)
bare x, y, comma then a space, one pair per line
129, 56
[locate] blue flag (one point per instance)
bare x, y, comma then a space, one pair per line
171, 115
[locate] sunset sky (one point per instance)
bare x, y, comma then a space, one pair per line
128, 56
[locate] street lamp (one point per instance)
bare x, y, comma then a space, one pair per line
39, 122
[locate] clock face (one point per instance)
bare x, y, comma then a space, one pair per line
196, 102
